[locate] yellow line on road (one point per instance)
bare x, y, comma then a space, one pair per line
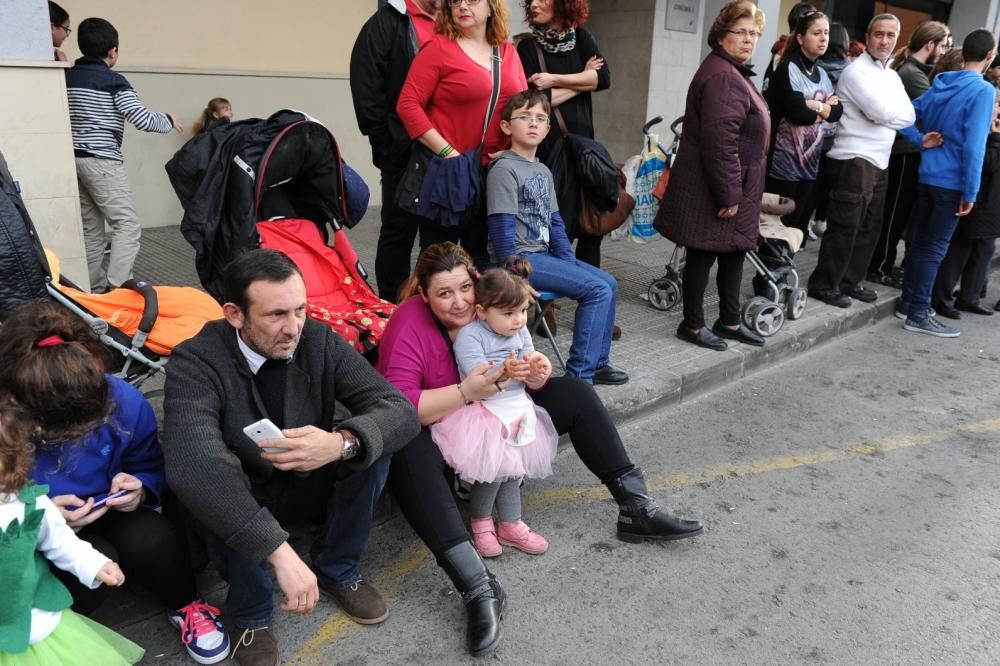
413, 558
417, 554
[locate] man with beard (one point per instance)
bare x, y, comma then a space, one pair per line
914, 63
380, 60
266, 360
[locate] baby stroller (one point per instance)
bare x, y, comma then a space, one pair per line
138, 323
279, 183
777, 293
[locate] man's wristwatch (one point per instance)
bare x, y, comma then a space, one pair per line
352, 446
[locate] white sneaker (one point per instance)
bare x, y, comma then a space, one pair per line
817, 228
811, 235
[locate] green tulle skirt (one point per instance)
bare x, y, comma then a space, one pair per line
77, 640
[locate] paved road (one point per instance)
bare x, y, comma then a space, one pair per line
851, 505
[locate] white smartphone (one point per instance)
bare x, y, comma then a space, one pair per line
264, 429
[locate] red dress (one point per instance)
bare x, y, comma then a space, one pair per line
446, 90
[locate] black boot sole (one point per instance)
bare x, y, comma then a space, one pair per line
631, 537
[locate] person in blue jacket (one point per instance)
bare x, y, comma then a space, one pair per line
958, 106
96, 448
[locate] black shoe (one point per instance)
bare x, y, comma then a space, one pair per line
886, 280
481, 593
859, 293
741, 334
974, 309
640, 518
833, 297
610, 375
946, 310
703, 338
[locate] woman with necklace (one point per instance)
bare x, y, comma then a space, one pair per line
803, 110
572, 68
444, 101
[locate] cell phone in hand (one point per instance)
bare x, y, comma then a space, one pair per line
265, 429
98, 503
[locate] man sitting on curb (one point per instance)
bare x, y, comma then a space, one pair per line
266, 360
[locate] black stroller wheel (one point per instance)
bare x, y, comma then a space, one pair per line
665, 293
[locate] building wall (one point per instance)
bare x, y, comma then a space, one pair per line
34, 130
624, 31
967, 15
674, 59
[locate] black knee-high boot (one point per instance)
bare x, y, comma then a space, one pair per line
639, 517
481, 593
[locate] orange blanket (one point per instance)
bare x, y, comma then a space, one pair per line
182, 311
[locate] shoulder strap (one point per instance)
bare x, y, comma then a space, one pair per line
494, 94
555, 109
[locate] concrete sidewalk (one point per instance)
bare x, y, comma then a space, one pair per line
663, 369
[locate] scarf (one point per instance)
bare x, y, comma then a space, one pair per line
552, 40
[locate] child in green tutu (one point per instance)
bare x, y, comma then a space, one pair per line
36, 623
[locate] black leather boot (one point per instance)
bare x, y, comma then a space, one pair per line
639, 517
482, 595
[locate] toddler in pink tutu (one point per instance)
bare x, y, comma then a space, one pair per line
496, 442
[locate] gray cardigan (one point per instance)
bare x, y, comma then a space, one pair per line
211, 397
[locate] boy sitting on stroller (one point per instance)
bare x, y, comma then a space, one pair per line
524, 221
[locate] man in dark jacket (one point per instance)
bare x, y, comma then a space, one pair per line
380, 62
266, 360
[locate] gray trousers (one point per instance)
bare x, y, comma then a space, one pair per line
105, 195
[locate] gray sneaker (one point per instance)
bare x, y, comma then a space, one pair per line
900, 313
930, 326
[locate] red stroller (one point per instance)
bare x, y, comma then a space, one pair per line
279, 183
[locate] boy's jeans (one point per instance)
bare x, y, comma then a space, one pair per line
105, 195
929, 234
596, 292
346, 497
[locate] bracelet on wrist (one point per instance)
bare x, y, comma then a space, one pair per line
446, 151
465, 398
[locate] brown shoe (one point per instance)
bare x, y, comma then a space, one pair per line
361, 602
550, 318
616, 332
256, 647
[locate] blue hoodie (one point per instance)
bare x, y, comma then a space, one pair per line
960, 106
127, 442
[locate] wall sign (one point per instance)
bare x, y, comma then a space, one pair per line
682, 15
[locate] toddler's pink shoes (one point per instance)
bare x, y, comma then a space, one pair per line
484, 537
522, 537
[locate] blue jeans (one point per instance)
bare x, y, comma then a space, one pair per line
596, 292
929, 234
343, 498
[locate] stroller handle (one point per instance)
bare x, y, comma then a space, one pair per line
150, 308
649, 124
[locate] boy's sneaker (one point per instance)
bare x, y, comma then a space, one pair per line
202, 633
930, 326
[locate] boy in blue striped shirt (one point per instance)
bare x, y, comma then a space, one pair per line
100, 101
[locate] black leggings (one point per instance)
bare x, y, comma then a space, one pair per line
151, 552
420, 477
729, 279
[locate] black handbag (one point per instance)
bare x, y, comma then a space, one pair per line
412, 182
